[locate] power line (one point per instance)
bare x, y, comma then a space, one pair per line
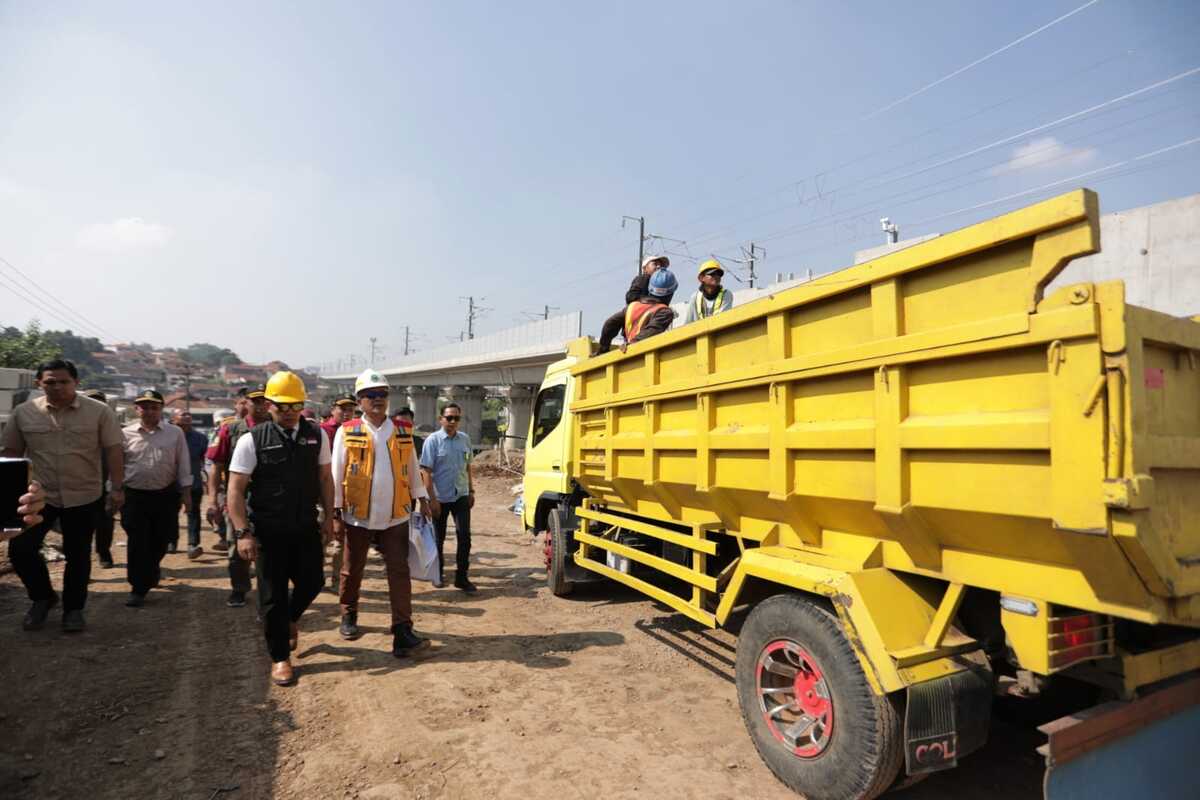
851, 190
848, 215
1130, 170
1041, 87
87, 323
1072, 179
20, 293
976, 62
871, 184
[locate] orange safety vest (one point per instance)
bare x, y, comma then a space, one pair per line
360, 469
636, 314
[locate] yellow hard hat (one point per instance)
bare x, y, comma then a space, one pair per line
712, 263
286, 387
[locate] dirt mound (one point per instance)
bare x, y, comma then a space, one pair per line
497, 462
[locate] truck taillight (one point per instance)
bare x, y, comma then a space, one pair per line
1079, 637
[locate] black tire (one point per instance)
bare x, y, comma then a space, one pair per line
853, 746
560, 550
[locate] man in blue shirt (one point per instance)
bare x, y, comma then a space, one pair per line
197, 443
446, 472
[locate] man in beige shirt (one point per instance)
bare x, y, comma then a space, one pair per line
158, 477
63, 434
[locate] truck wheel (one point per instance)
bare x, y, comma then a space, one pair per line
808, 707
558, 550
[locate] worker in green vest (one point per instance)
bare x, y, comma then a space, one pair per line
711, 298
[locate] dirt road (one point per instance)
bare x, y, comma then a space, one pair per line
521, 695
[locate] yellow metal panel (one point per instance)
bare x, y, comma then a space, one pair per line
700, 545
1167, 662
945, 615
705, 582
649, 589
1028, 636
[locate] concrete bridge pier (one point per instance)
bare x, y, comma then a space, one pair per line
471, 400
520, 410
423, 400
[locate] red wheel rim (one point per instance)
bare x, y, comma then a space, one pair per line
794, 698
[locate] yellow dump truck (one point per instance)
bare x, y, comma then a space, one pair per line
914, 483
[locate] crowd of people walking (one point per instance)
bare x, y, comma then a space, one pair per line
281, 489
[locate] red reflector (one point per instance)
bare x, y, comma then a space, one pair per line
1078, 631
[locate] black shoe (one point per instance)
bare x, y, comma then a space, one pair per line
404, 641
349, 627
236, 599
73, 621
136, 600
35, 618
173, 547
106, 562
222, 546
465, 585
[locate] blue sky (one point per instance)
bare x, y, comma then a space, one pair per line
289, 180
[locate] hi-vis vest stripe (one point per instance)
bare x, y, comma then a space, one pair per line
360, 469
703, 310
636, 314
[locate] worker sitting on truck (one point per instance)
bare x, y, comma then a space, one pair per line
647, 316
639, 285
711, 298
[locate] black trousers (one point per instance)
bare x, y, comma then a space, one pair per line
460, 509
287, 556
150, 520
25, 552
193, 519
104, 529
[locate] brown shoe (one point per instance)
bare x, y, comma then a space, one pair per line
293, 637
282, 673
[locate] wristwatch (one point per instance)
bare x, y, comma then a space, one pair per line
240, 533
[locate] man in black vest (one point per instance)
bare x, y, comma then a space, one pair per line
284, 467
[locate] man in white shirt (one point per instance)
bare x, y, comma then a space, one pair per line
284, 466
376, 483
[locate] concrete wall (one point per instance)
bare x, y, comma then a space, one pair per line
1154, 249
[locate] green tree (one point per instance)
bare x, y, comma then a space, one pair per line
209, 355
28, 348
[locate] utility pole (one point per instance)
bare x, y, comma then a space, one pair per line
547, 309
405, 340
473, 312
641, 221
373, 340
187, 387
752, 260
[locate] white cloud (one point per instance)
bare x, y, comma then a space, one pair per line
124, 235
1045, 153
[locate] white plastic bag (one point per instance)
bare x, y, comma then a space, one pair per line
422, 549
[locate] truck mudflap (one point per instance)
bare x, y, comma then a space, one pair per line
1143, 748
946, 718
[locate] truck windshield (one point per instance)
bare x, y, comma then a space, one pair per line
548, 411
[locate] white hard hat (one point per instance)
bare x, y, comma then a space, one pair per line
649, 259
369, 379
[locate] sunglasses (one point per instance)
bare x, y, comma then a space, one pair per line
290, 406
451, 417
373, 394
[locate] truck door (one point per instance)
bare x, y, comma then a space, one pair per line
548, 445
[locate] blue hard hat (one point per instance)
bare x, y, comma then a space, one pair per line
663, 283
